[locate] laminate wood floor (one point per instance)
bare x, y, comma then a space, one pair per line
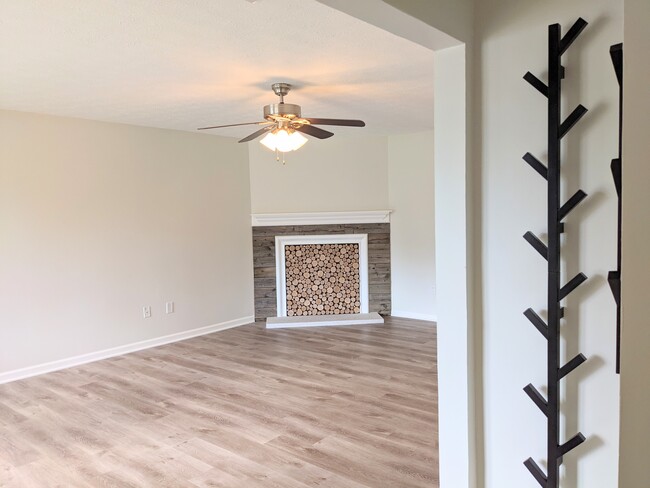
330, 407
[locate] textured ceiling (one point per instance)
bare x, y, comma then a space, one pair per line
183, 64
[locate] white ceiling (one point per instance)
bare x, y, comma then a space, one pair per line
183, 64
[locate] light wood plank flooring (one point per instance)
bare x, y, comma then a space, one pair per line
330, 407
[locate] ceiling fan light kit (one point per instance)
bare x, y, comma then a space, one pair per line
283, 125
284, 140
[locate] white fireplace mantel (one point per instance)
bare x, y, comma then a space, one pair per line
321, 218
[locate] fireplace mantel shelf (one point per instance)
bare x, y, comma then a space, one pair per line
320, 218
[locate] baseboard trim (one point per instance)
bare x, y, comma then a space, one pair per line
416, 316
19, 374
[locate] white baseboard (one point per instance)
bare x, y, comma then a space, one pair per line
416, 316
43, 368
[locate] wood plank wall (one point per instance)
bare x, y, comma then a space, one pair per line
378, 262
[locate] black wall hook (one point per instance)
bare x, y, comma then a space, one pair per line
614, 277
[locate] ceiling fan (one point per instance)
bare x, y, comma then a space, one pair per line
283, 124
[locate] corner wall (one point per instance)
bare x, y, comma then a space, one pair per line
98, 220
363, 173
635, 360
411, 197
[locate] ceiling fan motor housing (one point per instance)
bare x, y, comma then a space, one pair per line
286, 110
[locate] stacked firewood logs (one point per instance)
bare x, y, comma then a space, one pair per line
322, 279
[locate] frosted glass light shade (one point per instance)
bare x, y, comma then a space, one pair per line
284, 141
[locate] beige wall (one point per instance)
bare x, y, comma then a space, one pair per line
513, 39
635, 356
337, 174
98, 220
411, 198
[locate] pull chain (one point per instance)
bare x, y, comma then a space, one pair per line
277, 157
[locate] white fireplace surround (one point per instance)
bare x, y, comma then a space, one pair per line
280, 272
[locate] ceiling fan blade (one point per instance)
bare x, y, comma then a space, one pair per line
256, 134
314, 131
234, 125
344, 122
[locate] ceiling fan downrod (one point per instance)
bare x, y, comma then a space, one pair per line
281, 90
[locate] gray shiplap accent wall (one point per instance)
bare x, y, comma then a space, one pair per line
378, 262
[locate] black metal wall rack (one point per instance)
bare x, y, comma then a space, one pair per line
557, 213
614, 277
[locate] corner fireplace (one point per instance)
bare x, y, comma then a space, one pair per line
284, 280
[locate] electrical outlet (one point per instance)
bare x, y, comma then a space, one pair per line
169, 307
146, 312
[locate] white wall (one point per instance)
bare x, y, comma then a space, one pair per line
98, 220
337, 174
453, 17
513, 39
635, 360
453, 275
432, 24
411, 199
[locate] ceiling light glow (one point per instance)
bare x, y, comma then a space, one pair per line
284, 140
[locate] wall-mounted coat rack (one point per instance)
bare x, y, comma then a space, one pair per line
614, 277
557, 212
